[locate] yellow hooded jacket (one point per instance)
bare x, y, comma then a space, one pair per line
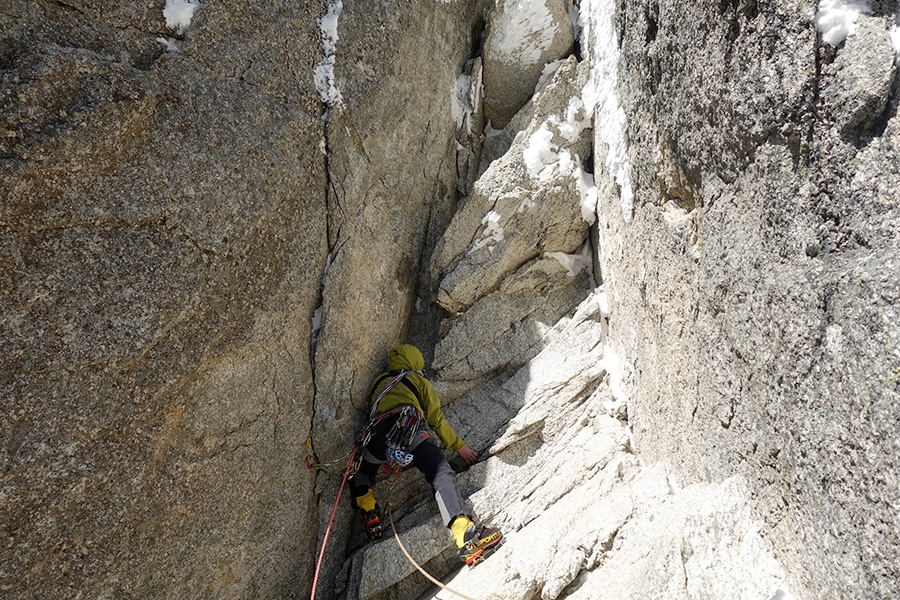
408, 357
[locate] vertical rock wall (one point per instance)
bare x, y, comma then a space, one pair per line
162, 239
755, 287
391, 191
166, 220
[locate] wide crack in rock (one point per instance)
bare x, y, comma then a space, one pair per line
579, 510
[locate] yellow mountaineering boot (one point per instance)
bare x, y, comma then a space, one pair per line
371, 515
479, 543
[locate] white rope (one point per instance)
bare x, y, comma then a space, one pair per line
410, 558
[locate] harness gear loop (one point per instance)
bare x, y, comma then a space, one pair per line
401, 436
404, 430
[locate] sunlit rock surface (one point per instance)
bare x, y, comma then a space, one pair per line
203, 260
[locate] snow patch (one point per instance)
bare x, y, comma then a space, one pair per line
782, 593
323, 75
599, 94
836, 19
327, 268
523, 32
492, 234
460, 107
549, 69
543, 158
674, 488
178, 14
171, 44
611, 362
317, 319
587, 189
541, 153
489, 131
574, 263
895, 40
575, 120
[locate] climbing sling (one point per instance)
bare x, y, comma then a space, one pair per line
401, 438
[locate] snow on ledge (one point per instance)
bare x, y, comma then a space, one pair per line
599, 95
576, 262
523, 31
836, 19
895, 40
178, 14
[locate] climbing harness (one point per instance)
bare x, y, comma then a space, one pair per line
398, 440
310, 459
404, 430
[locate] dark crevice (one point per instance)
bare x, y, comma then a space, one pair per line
66, 6
652, 24
479, 35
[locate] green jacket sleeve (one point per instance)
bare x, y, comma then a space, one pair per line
431, 406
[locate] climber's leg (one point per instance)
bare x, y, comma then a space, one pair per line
430, 460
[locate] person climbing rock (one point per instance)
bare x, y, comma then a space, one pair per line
403, 400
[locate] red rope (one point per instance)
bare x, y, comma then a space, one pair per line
330, 521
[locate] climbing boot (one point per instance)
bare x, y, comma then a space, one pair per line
480, 542
372, 524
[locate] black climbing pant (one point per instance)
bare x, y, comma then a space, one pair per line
427, 457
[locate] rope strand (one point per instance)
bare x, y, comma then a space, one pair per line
412, 560
312, 595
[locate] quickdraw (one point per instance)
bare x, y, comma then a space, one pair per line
310, 459
401, 436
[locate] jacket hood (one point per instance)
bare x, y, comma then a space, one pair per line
405, 356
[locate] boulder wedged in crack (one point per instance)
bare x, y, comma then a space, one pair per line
505, 328
489, 261
522, 39
524, 204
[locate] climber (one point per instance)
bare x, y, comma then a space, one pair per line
401, 399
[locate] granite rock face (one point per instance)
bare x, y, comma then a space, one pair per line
161, 249
754, 295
